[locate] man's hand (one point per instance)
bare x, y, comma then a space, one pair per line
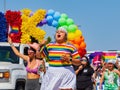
66, 58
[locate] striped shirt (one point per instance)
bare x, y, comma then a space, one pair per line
55, 51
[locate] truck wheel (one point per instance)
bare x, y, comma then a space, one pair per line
20, 87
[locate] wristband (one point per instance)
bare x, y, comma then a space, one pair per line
11, 44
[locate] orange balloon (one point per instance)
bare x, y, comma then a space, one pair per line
82, 38
77, 46
77, 40
71, 41
83, 45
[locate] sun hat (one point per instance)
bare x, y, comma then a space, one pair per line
111, 61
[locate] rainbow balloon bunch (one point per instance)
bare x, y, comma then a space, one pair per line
75, 37
25, 23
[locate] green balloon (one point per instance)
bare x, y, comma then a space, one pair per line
62, 21
64, 16
69, 21
72, 28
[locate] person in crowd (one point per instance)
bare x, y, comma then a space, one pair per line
32, 67
101, 67
110, 76
84, 74
118, 66
60, 74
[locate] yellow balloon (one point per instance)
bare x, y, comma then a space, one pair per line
78, 33
71, 36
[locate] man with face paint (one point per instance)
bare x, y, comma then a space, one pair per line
60, 74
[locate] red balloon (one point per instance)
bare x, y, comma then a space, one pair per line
82, 52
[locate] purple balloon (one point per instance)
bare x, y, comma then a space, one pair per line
44, 21
40, 24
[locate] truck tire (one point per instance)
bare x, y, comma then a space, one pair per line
20, 87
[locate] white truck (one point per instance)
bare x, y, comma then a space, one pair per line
12, 68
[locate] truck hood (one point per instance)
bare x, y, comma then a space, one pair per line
8, 65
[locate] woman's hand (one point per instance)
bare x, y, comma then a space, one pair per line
43, 42
9, 40
117, 72
80, 67
100, 86
35, 46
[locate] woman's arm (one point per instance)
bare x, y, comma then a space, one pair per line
44, 67
117, 72
76, 62
24, 57
101, 80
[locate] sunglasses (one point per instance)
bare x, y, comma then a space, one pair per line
84, 60
30, 50
96, 64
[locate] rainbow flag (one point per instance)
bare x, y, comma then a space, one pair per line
109, 55
14, 29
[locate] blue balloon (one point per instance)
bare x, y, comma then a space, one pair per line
56, 16
49, 19
54, 23
49, 23
50, 12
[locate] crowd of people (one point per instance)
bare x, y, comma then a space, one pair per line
66, 70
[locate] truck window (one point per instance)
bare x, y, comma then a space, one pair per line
7, 55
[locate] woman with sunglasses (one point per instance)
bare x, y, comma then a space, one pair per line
84, 74
32, 67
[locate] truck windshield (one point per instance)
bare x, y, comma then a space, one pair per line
7, 55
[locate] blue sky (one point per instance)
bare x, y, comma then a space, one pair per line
99, 20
